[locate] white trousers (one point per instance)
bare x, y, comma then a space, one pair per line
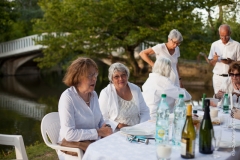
217, 82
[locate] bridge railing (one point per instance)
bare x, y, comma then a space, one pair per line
26, 42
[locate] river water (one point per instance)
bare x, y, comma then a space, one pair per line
24, 100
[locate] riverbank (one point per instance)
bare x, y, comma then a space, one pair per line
193, 73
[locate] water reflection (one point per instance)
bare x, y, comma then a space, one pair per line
24, 100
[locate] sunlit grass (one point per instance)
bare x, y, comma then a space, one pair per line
38, 151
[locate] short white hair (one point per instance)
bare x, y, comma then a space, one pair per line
175, 34
162, 66
117, 67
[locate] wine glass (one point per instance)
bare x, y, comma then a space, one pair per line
216, 140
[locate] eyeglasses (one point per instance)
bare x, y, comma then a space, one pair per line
232, 75
91, 76
224, 37
176, 43
123, 76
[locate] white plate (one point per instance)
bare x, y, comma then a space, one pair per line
136, 131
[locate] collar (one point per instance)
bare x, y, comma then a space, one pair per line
229, 42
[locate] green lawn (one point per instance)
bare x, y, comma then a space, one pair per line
38, 151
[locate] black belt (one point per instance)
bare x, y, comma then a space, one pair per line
224, 75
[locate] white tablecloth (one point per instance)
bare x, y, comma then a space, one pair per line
116, 147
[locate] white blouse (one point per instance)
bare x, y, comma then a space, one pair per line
128, 112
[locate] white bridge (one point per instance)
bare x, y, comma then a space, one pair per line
27, 108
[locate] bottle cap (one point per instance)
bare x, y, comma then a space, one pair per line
181, 96
164, 95
189, 110
226, 95
204, 95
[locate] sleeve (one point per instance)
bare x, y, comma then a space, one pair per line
238, 52
144, 110
152, 100
211, 53
104, 107
67, 121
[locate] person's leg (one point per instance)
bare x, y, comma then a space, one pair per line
217, 82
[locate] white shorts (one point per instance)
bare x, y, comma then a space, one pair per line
217, 82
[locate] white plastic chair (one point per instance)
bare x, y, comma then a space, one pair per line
50, 128
17, 142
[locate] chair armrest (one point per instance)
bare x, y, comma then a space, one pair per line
58, 147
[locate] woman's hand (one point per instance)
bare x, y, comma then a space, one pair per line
104, 131
219, 95
121, 125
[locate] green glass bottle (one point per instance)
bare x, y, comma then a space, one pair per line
225, 103
206, 131
203, 99
188, 136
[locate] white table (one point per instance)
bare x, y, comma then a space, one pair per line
116, 147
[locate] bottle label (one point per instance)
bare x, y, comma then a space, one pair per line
225, 109
183, 147
187, 143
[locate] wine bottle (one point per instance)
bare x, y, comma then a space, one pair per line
188, 136
203, 99
206, 131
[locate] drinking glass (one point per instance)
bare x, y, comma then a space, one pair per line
216, 141
164, 151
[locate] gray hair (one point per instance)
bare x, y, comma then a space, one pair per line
225, 26
175, 34
162, 66
117, 67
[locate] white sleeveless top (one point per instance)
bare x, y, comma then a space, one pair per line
128, 112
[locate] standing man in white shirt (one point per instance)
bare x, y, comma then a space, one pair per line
222, 53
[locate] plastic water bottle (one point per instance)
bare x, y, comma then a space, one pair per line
179, 119
162, 123
225, 103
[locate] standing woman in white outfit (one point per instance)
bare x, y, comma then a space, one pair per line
169, 50
121, 102
78, 107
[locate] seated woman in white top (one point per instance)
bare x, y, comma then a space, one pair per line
158, 83
232, 84
78, 107
121, 102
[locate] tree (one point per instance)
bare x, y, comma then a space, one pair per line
7, 18
98, 28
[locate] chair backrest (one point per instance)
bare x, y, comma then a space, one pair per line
17, 142
50, 127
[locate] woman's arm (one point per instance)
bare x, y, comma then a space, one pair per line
145, 55
180, 79
105, 109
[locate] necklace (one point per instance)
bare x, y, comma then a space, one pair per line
88, 97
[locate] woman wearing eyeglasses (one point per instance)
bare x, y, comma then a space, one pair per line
232, 83
78, 107
121, 102
169, 50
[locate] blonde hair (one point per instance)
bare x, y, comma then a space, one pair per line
78, 69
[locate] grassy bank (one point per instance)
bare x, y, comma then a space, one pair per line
38, 151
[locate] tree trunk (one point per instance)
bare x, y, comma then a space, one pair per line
132, 61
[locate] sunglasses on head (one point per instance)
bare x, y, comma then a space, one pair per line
232, 75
